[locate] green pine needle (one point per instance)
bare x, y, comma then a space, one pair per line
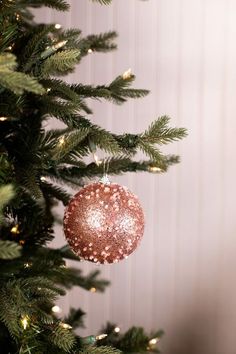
100, 350
62, 338
60, 5
17, 82
103, 2
60, 62
9, 250
160, 133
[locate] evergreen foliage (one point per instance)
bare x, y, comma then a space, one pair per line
36, 166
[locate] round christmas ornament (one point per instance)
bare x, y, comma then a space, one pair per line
104, 223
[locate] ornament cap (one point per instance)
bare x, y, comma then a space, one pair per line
105, 179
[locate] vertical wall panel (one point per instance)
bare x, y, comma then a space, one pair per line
182, 278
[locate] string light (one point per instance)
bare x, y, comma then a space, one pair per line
65, 325
27, 265
59, 45
57, 26
90, 51
48, 89
15, 230
91, 340
93, 290
61, 141
52, 49
56, 309
2, 119
101, 336
117, 329
25, 322
153, 341
154, 169
43, 179
127, 74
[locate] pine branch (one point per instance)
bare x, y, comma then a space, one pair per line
19, 82
100, 350
62, 338
117, 92
59, 5
9, 250
16, 81
133, 341
160, 133
8, 35
67, 143
6, 194
98, 43
70, 277
103, 2
75, 318
104, 140
28, 180
64, 111
33, 47
56, 192
61, 62
151, 151
59, 88
19, 298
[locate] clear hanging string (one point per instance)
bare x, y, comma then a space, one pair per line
106, 165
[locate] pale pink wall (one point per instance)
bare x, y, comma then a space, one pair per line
182, 278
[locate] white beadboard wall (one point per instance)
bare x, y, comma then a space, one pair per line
182, 278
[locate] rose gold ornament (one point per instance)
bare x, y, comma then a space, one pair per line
104, 223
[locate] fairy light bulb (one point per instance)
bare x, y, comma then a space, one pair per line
61, 141
154, 169
15, 230
56, 309
93, 290
27, 265
25, 322
153, 341
117, 329
57, 26
127, 74
90, 51
101, 336
2, 119
65, 325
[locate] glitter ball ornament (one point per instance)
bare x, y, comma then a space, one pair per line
104, 223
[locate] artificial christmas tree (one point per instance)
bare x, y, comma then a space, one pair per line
36, 163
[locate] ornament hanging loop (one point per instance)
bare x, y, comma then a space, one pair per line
105, 178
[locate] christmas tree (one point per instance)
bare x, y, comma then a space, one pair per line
36, 166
